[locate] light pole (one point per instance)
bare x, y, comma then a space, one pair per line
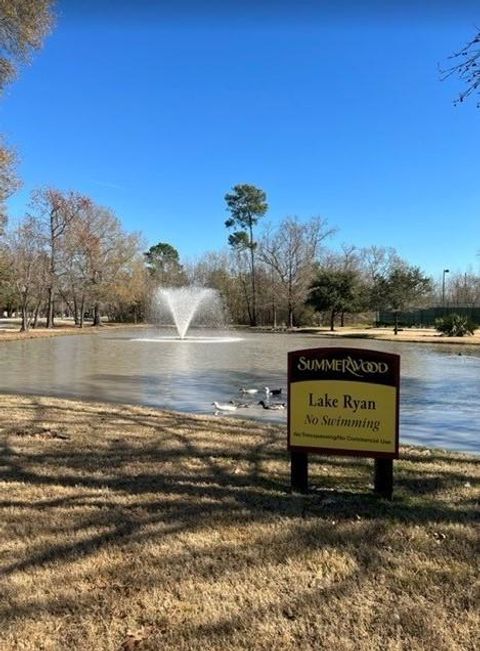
445, 271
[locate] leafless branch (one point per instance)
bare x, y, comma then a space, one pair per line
466, 68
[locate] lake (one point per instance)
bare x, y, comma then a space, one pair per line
439, 396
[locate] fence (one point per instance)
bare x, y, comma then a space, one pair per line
426, 317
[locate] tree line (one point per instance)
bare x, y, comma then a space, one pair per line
70, 257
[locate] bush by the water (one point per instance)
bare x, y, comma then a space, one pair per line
455, 325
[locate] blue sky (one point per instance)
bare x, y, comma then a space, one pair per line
333, 108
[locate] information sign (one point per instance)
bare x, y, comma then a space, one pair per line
343, 401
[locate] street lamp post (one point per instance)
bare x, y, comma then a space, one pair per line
445, 271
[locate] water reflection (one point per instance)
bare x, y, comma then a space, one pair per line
439, 387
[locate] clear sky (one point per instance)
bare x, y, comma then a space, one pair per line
333, 108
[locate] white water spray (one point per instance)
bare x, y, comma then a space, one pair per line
187, 305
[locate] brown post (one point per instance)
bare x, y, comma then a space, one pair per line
299, 471
383, 478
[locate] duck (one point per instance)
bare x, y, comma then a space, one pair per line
266, 405
240, 405
219, 406
251, 391
273, 392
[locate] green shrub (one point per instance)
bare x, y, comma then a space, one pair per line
455, 325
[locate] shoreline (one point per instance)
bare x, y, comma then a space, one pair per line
408, 335
15, 400
413, 336
241, 422
63, 329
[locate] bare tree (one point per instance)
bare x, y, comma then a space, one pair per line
23, 26
28, 264
9, 181
74, 264
291, 251
107, 251
377, 262
58, 211
463, 290
241, 272
128, 297
209, 270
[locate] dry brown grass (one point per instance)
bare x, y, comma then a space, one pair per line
10, 331
131, 528
409, 335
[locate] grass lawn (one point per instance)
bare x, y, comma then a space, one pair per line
132, 528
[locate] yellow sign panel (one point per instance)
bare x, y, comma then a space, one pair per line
337, 414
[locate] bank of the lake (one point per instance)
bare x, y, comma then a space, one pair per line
407, 335
10, 331
126, 527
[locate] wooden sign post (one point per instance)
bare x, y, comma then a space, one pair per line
343, 401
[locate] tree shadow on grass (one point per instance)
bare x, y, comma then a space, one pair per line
153, 475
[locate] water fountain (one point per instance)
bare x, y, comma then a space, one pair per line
186, 306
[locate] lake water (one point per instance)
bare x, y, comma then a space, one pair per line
439, 398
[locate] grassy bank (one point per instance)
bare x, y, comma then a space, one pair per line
408, 335
10, 329
132, 528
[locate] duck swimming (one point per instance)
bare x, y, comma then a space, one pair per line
219, 406
251, 391
273, 392
266, 405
